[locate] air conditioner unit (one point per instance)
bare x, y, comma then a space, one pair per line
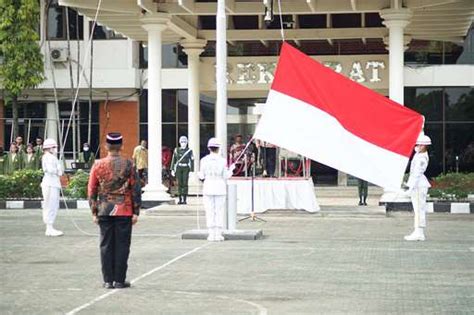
59, 55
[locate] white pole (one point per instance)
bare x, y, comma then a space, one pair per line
221, 78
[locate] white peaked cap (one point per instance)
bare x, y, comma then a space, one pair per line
49, 143
423, 139
213, 143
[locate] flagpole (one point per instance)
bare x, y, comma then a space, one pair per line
221, 77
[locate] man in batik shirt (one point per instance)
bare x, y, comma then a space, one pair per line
114, 193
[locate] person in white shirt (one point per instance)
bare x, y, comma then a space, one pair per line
418, 187
51, 186
214, 172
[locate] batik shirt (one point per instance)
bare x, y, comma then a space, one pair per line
114, 188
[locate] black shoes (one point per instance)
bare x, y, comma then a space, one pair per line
360, 203
108, 285
182, 200
122, 285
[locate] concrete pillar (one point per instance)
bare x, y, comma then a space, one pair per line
52, 122
221, 79
193, 49
155, 191
396, 19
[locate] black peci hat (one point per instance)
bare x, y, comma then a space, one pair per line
114, 138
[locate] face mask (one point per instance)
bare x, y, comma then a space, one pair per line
86, 149
417, 149
183, 145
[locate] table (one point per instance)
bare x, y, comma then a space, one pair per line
275, 193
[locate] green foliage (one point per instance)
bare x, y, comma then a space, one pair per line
22, 66
453, 186
77, 187
21, 184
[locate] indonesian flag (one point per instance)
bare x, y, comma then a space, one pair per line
318, 113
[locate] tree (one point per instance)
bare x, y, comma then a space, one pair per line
22, 67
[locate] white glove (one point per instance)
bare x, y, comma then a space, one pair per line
173, 173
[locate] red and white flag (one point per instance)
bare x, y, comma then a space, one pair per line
318, 113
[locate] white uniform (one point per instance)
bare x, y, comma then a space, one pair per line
50, 187
418, 188
214, 172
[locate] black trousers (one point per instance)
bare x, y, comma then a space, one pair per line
270, 154
115, 239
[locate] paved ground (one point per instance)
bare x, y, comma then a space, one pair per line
307, 264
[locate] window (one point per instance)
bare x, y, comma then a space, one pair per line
172, 56
346, 20
373, 20
207, 22
449, 114
175, 118
101, 32
57, 27
425, 52
245, 22
313, 21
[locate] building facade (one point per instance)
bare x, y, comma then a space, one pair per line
152, 74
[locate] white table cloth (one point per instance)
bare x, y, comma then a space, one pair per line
272, 193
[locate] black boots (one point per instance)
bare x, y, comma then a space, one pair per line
362, 203
182, 200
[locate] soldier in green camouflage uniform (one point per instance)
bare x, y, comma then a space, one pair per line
181, 165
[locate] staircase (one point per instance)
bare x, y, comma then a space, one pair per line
345, 195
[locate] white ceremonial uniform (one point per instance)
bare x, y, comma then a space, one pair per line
214, 172
418, 187
50, 187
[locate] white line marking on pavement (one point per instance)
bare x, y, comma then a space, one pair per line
111, 292
311, 250
261, 310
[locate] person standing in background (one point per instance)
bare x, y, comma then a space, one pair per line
3, 159
182, 164
140, 159
86, 156
14, 160
363, 189
30, 159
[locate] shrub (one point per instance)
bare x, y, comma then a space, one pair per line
77, 187
21, 184
453, 186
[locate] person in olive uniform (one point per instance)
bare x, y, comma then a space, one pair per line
14, 161
30, 159
363, 188
21, 146
39, 148
3, 159
86, 156
181, 164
